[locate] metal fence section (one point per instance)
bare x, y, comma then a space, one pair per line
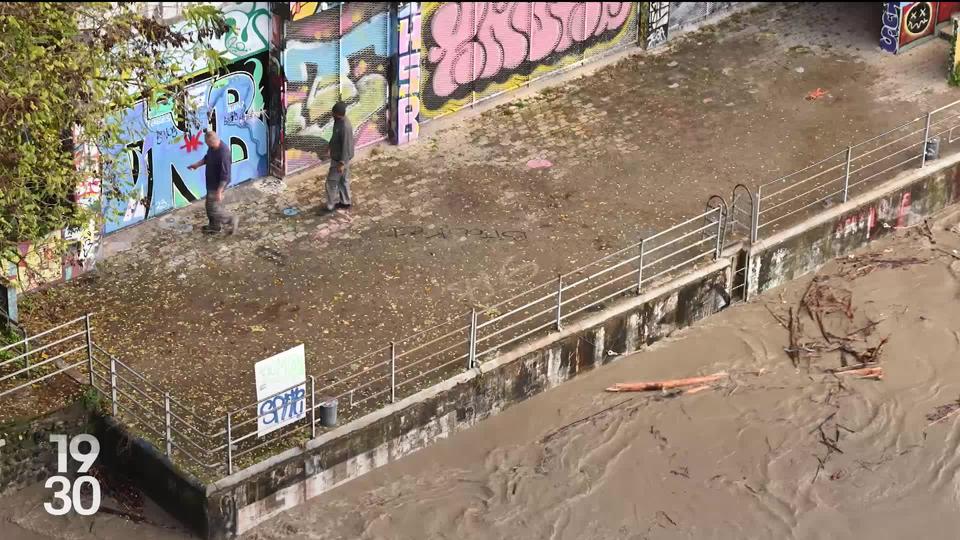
173, 427
47, 354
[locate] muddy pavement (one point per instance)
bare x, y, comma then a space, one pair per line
459, 219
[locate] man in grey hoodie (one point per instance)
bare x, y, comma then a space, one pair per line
340, 152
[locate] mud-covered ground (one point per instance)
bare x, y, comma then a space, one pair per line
781, 447
634, 147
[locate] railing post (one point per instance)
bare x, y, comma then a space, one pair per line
229, 444
472, 356
313, 407
719, 248
113, 384
846, 174
26, 352
559, 301
755, 218
86, 326
166, 410
393, 372
640, 269
926, 136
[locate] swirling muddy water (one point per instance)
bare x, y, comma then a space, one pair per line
776, 450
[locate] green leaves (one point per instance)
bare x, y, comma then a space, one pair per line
66, 71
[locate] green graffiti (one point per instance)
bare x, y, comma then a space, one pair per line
244, 37
257, 105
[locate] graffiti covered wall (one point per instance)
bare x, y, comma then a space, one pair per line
341, 53
658, 20
275, 96
684, 14
408, 73
160, 149
909, 23
154, 165
890, 31
917, 21
472, 51
250, 23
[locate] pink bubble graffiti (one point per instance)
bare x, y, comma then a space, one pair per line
478, 40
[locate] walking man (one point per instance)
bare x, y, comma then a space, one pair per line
340, 152
218, 161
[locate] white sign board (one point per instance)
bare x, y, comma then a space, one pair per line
281, 390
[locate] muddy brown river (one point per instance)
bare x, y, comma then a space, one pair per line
782, 448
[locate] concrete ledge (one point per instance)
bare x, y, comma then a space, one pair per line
902, 202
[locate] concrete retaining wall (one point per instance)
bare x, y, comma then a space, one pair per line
26, 454
904, 202
138, 461
245, 499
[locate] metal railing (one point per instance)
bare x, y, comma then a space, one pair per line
468, 339
855, 169
383, 376
463, 342
39, 357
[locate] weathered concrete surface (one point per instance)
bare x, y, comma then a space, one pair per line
904, 203
129, 457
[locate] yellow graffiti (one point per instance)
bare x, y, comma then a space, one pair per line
38, 264
302, 10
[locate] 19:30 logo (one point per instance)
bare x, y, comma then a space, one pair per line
67, 494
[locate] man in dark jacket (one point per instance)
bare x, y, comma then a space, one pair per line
340, 153
218, 161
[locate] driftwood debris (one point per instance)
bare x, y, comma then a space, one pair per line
875, 372
943, 412
668, 384
831, 309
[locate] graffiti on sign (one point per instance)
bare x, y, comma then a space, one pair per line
657, 24
429, 233
408, 74
890, 33
337, 54
152, 167
487, 47
281, 390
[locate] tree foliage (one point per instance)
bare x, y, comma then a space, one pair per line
66, 71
